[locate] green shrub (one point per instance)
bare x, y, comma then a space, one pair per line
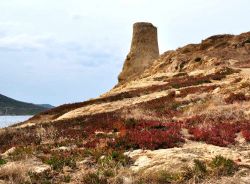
166, 177
160, 177
222, 166
119, 157
130, 123
196, 173
67, 179
93, 178
58, 162
2, 161
43, 178
200, 168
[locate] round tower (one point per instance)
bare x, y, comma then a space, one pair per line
144, 50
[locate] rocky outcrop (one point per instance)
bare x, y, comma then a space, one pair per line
144, 50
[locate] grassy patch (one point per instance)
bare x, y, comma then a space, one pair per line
43, 178
57, 162
21, 153
222, 166
130, 123
201, 170
93, 178
2, 161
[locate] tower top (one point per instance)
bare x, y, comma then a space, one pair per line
144, 50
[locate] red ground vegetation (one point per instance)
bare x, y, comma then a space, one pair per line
238, 97
126, 134
151, 135
216, 132
246, 134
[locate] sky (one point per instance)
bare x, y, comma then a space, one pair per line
65, 51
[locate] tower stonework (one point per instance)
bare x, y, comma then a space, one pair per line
144, 50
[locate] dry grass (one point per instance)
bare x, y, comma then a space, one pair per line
214, 107
14, 173
138, 114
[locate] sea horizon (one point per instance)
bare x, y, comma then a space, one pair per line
8, 120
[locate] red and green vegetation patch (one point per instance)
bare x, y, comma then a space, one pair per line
15, 137
217, 133
2, 161
60, 160
246, 133
163, 107
109, 130
150, 135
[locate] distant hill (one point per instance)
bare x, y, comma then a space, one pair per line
48, 106
9, 106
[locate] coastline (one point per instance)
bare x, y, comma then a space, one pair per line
8, 120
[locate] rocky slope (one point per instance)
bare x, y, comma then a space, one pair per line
183, 119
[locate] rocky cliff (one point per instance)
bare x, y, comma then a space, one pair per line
183, 118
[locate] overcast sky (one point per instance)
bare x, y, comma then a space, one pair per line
63, 51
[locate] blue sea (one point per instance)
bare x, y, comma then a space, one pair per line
10, 120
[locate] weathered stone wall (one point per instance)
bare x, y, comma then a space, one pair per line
144, 50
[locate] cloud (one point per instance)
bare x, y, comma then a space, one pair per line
9, 24
77, 16
23, 42
40, 52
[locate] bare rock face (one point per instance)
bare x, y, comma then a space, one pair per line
144, 50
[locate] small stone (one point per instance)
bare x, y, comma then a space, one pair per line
67, 169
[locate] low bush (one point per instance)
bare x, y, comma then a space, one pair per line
58, 161
164, 177
151, 135
130, 123
200, 168
93, 178
160, 177
218, 131
222, 166
46, 177
221, 134
2, 161
246, 134
66, 179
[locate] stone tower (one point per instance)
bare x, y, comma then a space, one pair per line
144, 50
